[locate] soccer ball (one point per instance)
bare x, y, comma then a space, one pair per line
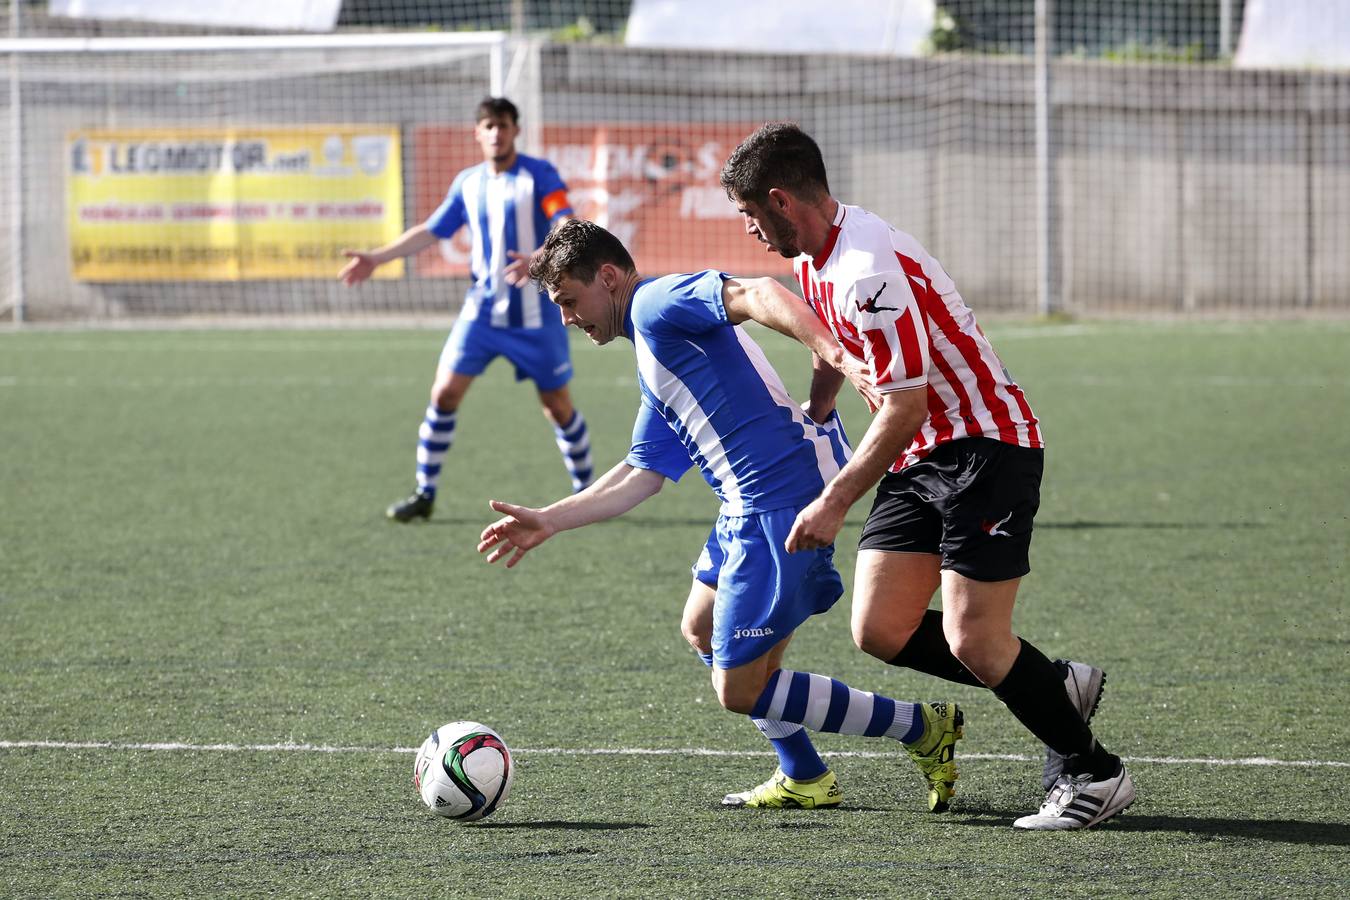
463, 771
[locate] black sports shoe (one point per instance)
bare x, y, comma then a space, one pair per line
417, 506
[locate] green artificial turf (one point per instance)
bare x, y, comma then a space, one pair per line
193, 550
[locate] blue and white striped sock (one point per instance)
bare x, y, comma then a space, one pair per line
822, 703
434, 438
574, 443
797, 756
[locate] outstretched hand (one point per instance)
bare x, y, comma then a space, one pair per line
359, 267
521, 529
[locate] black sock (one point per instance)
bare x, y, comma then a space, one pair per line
1033, 691
927, 651
1099, 764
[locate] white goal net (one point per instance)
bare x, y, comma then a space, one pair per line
188, 176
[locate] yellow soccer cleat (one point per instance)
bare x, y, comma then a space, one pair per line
781, 792
935, 751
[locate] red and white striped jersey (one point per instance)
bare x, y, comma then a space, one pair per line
893, 306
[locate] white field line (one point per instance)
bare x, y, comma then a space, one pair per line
631, 751
197, 346
157, 382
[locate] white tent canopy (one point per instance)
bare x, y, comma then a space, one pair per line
893, 27
300, 15
1295, 34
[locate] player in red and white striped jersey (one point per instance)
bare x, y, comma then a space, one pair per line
958, 454
893, 306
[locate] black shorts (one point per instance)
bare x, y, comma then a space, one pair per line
971, 501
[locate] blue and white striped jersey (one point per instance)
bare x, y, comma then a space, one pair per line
509, 211
709, 397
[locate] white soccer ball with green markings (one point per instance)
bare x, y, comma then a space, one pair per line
463, 771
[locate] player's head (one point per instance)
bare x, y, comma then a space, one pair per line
496, 124
586, 271
772, 172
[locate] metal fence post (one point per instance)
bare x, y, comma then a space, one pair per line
1225, 29
1047, 230
16, 300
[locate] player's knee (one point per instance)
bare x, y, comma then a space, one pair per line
877, 641
445, 396
738, 696
557, 415
698, 635
736, 701
556, 406
973, 649
696, 619
961, 641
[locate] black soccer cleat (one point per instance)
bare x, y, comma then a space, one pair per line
417, 506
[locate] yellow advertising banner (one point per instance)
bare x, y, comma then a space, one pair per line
232, 204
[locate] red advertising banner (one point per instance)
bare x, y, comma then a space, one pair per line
653, 184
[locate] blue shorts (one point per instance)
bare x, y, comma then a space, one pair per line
764, 593
539, 354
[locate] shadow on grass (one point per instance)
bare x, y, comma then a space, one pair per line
556, 825
1080, 524
1285, 831
675, 522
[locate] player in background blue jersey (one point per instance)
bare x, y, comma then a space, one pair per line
508, 202
711, 399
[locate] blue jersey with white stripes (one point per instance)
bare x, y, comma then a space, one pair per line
710, 398
511, 210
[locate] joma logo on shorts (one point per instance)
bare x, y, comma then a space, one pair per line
752, 632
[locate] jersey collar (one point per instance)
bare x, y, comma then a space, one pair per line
818, 261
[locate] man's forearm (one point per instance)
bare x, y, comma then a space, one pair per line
785, 313
824, 391
891, 431
613, 494
770, 304
411, 241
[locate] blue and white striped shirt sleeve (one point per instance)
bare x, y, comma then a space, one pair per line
451, 215
656, 447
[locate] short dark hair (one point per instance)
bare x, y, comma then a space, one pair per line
778, 155
492, 107
577, 249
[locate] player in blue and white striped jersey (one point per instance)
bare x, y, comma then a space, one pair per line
508, 202
711, 399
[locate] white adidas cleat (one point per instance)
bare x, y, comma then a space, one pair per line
1079, 802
